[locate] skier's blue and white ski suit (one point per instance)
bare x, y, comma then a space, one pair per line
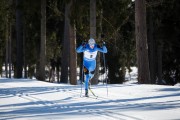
89, 59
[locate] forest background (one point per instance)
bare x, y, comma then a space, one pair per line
34, 33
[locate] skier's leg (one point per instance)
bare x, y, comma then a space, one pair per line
87, 84
87, 77
87, 81
91, 75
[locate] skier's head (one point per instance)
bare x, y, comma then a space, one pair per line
91, 42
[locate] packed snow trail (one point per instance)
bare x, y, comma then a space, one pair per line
26, 99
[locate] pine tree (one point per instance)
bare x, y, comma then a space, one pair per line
93, 35
65, 48
141, 42
19, 34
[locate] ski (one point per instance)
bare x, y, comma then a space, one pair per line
93, 93
93, 97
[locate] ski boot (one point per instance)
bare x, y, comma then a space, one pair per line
86, 93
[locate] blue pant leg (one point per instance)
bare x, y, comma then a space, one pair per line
91, 75
87, 82
90, 65
88, 77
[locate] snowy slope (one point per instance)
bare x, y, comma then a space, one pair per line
25, 99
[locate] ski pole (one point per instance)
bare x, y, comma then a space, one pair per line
82, 77
105, 69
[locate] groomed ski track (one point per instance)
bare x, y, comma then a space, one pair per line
33, 100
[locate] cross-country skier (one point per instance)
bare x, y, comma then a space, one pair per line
90, 51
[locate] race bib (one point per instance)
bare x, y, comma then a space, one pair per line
90, 55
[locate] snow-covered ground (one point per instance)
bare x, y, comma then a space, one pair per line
26, 99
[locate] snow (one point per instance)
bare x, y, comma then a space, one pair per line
27, 99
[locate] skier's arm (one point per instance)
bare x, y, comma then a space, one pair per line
103, 49
80, 49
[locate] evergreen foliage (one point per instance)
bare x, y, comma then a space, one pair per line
117, 30
166, 34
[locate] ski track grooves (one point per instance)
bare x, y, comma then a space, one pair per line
107, 114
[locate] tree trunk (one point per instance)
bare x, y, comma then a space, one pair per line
7, 50
9, 53
152, 48
19, 34
93, 19
73, 55
58, 61
93, 35
65, 51
159, 54
43, 41
141, 42
24, 51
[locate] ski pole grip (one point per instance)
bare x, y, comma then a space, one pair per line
103, 43
84, 43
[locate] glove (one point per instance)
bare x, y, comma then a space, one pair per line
104, 44
83, 44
